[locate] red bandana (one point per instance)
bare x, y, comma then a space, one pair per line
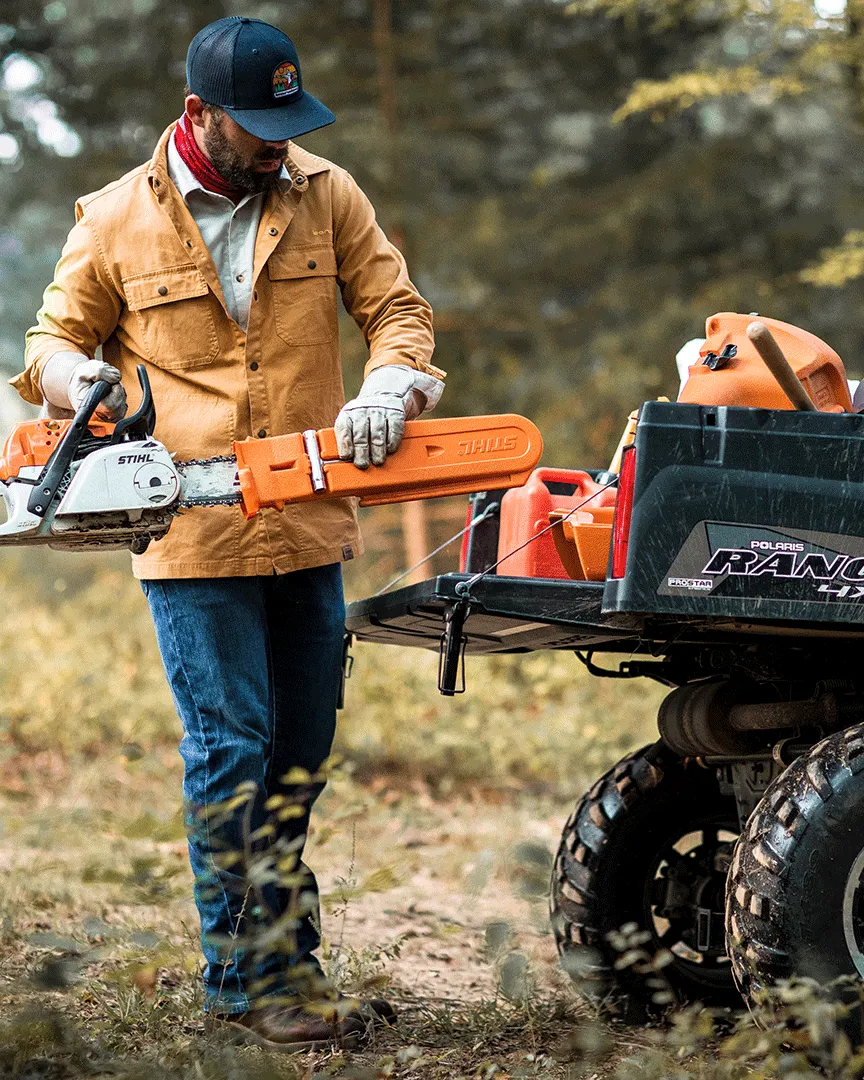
199, 165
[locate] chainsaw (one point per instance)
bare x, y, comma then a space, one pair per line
83, 484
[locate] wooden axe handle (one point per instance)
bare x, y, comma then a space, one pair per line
779, 366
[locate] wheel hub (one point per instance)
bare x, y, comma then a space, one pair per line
853, 913
688, 895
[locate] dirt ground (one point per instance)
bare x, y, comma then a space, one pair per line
422, 899
460, 868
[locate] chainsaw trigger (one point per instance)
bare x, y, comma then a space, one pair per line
19, 521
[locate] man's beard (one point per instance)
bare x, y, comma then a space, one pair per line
233, 168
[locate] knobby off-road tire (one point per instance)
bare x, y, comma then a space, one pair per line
614, 846
795, 898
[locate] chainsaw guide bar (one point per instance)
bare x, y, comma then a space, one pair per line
437, 457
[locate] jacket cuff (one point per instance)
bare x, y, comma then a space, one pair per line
386, 359
430, 387
28, 382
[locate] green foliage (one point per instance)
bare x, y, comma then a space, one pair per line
840, 264
682, 91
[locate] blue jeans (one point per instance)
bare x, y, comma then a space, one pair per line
254, 665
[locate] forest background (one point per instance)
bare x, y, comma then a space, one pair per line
577, 186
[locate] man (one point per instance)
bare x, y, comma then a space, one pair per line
216, 265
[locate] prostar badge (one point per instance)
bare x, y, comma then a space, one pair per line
285, 80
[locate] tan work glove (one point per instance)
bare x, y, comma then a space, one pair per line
67, 378
371, 426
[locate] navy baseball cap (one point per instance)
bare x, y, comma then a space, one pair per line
250, 69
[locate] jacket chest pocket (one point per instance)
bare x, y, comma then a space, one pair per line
172, 316
304, 295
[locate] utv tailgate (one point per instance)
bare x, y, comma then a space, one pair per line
508, 614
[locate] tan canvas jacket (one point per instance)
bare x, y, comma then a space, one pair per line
136, 278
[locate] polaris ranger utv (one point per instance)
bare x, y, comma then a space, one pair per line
735, 577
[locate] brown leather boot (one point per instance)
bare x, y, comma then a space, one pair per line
374, 1013
293, 1029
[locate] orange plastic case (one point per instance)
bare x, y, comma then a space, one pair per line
744, 378
32, 442
583, 541
526, 511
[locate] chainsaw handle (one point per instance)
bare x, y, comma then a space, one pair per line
95, 396
143, 421
58, 464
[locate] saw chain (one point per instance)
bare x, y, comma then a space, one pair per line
208, 482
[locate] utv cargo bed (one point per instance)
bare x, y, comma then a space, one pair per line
511, 615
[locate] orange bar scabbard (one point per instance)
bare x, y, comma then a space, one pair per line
272, 472
437, 457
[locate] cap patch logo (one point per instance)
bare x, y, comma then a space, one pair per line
285, 80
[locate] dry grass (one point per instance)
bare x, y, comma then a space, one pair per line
414, 842
81, 675
429, 847
424, 900
99, 952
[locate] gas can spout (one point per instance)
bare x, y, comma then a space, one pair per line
766, 345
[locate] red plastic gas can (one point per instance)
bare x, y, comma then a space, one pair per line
525, 513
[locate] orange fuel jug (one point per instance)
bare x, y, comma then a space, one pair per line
525, 513
731, 372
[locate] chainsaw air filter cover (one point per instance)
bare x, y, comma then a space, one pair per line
731, 372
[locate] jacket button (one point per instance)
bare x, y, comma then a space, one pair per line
273, 232
254, 365
301, 179
311, 264
262, 434
162, 290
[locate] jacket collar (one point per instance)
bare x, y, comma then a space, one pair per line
300, 163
